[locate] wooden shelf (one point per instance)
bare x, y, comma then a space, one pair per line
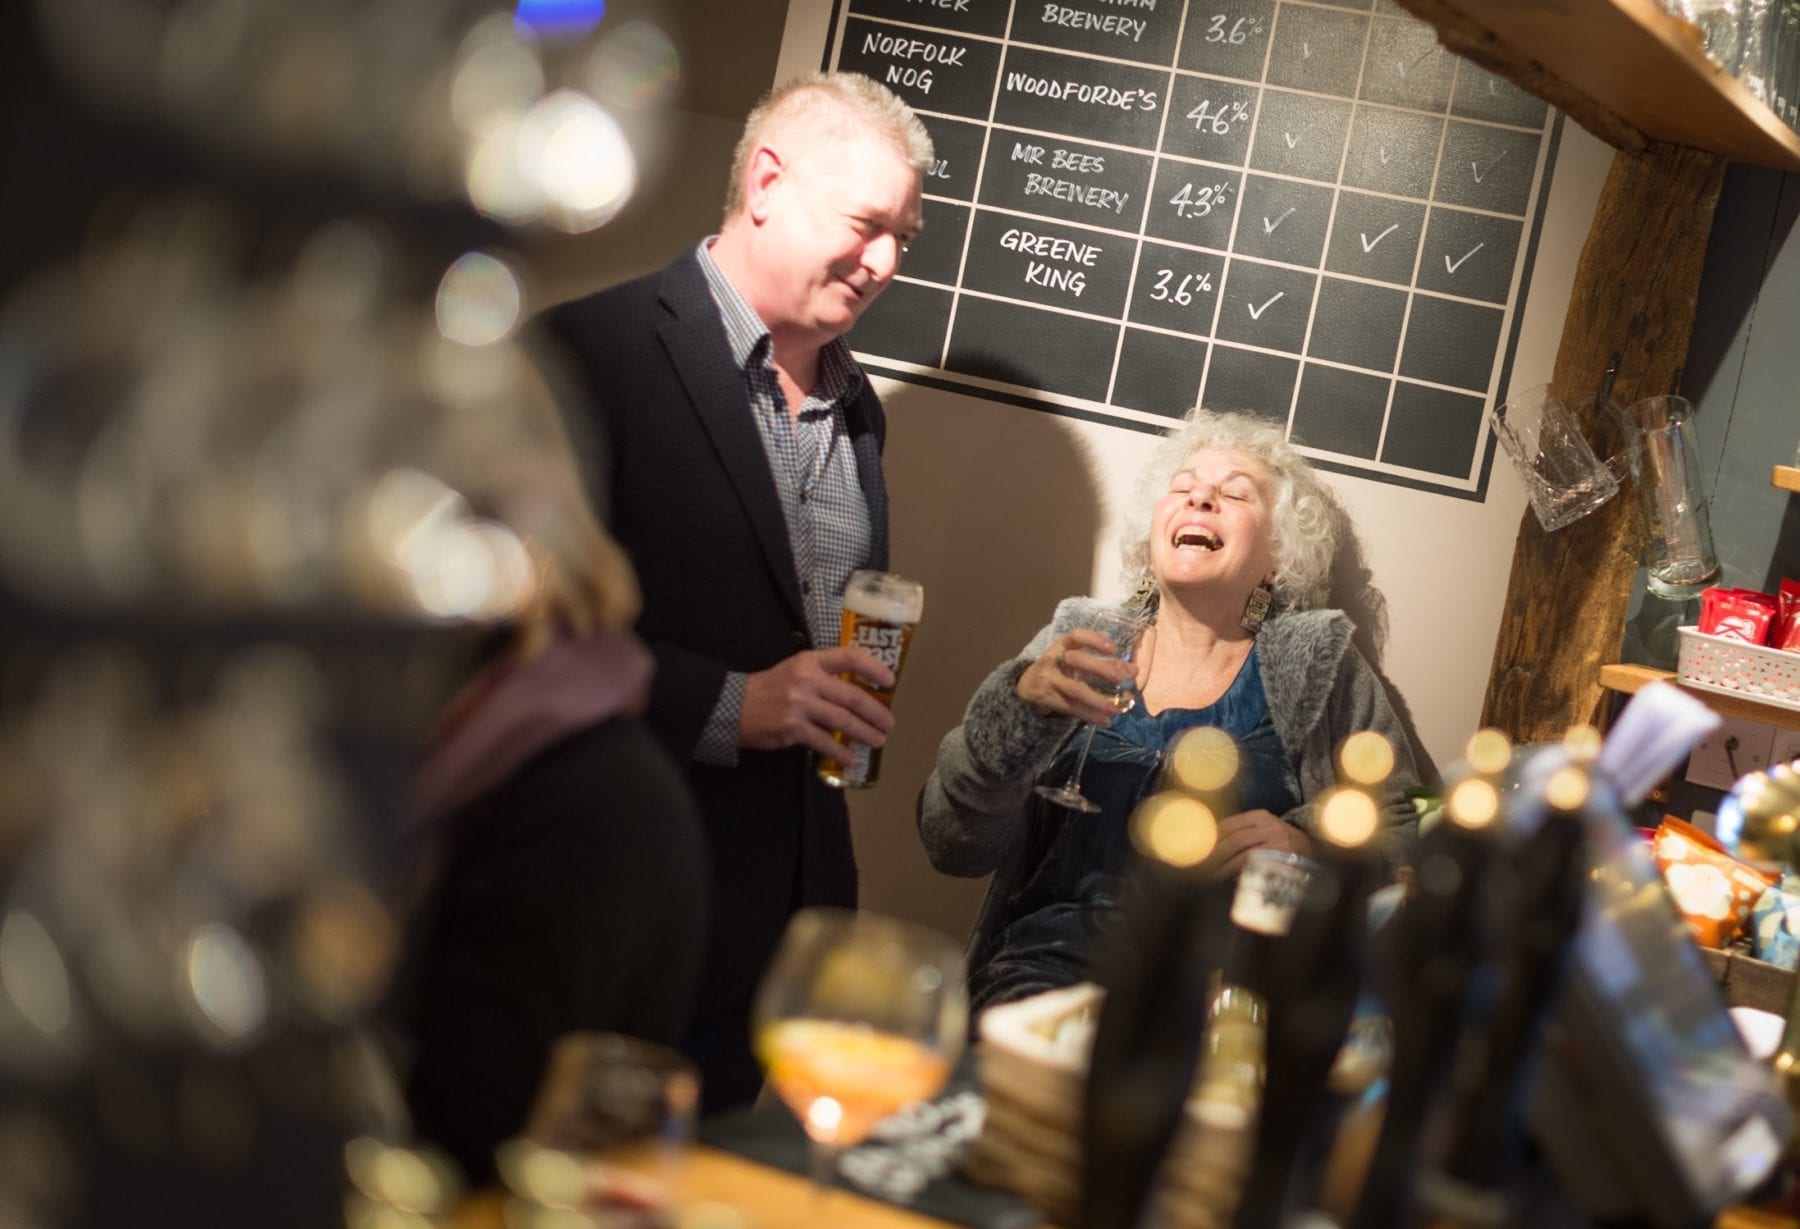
1630, 60
1629, 679
1787, 477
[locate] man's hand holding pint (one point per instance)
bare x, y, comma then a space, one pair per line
801, 701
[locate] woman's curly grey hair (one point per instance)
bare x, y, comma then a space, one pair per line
1303, 517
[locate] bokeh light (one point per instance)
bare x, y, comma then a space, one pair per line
1567, 789
33, 975
1176, 830
1349, 818
1582, 742
578, 156
1473, 803
1489, 752
1367, 758
634, 68
1204, 760
227, 981
497, 76
479, 300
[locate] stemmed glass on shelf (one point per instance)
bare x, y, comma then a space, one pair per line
1124, 630
859, 1016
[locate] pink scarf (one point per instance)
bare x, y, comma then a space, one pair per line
520, 709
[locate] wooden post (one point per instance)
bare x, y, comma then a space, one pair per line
1636, 288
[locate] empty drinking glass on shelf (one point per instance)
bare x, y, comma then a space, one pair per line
1563, 478
1665, 462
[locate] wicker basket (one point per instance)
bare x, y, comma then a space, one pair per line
1718, 663
1033, 1058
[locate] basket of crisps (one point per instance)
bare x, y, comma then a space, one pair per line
1745, 916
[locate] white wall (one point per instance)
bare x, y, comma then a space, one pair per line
1002, 511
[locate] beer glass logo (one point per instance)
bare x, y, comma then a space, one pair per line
884, 643
879, 614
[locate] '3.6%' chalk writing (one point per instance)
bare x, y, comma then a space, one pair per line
1167, 289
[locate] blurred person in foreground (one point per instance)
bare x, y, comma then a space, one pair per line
1231, 523
558, 863
744, 464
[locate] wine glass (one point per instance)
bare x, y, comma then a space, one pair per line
623, 1110
859, 1016
1123, 630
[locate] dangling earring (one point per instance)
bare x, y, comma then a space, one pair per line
1257, 608
1144, 598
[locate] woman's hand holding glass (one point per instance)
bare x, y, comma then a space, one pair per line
1064, 679
1090, 676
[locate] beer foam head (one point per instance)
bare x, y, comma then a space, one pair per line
885, 597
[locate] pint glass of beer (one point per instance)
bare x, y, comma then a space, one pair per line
880, 612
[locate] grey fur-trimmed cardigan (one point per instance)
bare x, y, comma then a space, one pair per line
1320, 690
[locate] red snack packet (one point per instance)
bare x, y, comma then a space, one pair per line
1786, 633
1712, 890
1737, 614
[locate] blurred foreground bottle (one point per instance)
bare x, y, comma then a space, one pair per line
1312, 983
1159, 973
1547, 875
1435, 944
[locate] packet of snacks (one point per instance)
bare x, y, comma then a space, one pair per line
1713, 891
1786, 632
1737, 614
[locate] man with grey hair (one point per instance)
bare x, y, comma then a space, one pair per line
743, 466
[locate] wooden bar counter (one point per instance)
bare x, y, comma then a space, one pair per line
762, 1196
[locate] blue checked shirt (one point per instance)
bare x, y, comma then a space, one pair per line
815, 475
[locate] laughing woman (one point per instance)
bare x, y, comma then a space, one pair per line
1229, 562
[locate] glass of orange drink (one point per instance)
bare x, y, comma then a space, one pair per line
858, 1017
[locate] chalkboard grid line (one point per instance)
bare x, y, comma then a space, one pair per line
1004, 41
1312, 311
1143, 224
1448, 110
1237, 206
1514, 306
1275, 176
1124, 319
1245, 167
1518, 291
1321, 268
1137, 252
1149, 424
987, 137
1437, 170
1244, 346
1503, 386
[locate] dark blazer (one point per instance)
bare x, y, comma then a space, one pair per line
689, 493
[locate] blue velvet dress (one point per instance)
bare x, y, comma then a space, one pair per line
1062, 886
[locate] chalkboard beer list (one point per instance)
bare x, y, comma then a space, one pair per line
1303, 208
